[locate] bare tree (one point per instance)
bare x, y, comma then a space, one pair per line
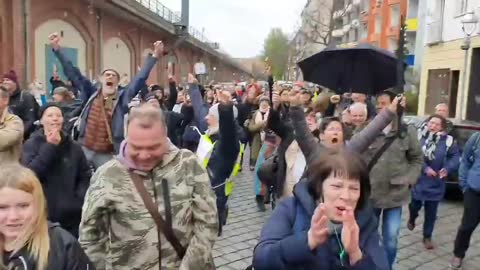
320, 23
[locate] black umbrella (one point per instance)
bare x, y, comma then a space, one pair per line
361, 69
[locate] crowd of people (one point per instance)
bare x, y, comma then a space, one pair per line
124, 175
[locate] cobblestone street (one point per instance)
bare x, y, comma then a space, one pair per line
235, 248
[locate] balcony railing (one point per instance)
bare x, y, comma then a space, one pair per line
167, 14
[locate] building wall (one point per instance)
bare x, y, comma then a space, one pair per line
388, 33
420, 36
445, 55
452, 27
447, 52
71, 38
95, 34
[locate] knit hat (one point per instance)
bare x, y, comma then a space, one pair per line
11, 75
213, 111
48, 105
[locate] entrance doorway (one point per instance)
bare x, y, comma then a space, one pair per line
438, 89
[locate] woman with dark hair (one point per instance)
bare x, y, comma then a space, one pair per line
327, 224
441, 158
61, 167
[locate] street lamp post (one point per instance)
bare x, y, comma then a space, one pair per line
214, 73
469, 25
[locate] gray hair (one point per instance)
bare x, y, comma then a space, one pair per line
440, 105
146, 116
359, 106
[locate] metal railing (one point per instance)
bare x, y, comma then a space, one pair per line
167, 14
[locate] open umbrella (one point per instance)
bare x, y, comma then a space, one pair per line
361, 69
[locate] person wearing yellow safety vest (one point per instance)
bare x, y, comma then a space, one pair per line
219, 149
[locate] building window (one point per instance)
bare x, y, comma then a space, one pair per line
395, 15
378, 24
461, 7
364, 5
363, 31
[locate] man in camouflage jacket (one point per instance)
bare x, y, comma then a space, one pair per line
117, 231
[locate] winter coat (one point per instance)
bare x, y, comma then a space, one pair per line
11, 137
396, 170
89, 93
117, 231
227, 146
65, 253
255, 130
284, 130
64, 173
24, 105
174, 126
433, 188
469, 172
200, 109
283, 241
227, 140
358, 144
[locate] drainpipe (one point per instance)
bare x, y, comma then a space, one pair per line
442, 19
98, 45
26, 37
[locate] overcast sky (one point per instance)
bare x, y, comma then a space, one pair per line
240, 26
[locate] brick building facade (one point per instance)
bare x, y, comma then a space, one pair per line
98, 34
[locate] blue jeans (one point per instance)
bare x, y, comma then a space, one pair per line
431, 208
391, 221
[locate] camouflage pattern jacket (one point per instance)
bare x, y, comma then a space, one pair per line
117, 232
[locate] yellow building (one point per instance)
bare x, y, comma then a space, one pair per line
442, 75
449, 75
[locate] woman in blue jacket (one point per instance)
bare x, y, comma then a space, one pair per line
442, 157
327, 224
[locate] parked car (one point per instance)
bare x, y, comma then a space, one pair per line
462, 130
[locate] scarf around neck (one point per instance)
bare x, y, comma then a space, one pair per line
431, 141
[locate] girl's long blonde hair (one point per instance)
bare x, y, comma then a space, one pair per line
35, 237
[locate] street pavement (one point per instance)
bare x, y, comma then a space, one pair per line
234, 250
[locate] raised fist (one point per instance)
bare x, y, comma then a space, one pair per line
158, 49
54, 40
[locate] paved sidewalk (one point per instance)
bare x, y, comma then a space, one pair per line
234, 249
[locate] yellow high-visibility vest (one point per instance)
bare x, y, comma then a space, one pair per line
204, 152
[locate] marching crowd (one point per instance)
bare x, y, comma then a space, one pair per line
125, 175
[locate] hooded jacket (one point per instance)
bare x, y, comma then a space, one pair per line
65, 253
64, 173
283, 241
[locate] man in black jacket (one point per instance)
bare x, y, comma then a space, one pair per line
22, 103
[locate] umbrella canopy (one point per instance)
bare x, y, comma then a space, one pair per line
360, 69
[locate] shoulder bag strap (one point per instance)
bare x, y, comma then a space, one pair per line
162, 226
380, 152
